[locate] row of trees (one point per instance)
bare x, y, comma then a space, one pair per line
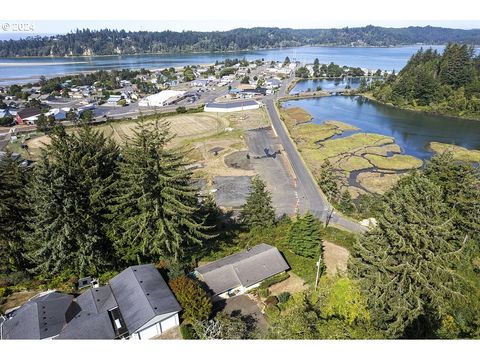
415, 275
445, 83
113, 42
90, 206
419, 268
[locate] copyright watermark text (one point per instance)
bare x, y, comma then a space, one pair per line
18, 26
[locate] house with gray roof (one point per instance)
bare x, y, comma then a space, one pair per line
136, 304
42, 317
243, 271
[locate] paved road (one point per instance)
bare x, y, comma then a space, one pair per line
317, 203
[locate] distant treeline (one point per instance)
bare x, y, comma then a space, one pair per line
109, 42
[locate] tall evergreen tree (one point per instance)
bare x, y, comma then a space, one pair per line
14, 209
406, 264
156, 207
345, 204
327, 182
258, 210
305, 236
71, 188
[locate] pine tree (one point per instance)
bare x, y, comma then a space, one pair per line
14, 210
156, 207
345, 204
305, 236
460, 183
71, 189
258, 211
406, 264
327, 182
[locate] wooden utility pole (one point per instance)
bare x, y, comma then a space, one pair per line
327, 221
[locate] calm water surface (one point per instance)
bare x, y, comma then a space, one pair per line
413, 131
26, 69
325, 84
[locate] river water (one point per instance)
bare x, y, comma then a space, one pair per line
413, 131
22, 70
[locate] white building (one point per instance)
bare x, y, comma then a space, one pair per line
162, 98
232, 106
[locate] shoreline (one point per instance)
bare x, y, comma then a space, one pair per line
218, 51
371, 98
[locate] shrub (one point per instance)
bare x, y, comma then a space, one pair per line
104, 278
195, 302
272, 311
188, 333
271, 300
263, 293
181, 110
4, 292
283, 297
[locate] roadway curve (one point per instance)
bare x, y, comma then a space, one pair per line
318, 203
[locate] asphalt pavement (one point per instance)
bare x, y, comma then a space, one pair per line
316, 200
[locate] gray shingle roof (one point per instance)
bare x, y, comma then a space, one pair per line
233, 104
87, 325
97, 300
245, 268
40, 318
142, 294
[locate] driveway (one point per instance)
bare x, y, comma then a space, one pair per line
242, 305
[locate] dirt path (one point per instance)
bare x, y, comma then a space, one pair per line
335, 257
292, 285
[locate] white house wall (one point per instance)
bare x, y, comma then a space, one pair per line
240, 108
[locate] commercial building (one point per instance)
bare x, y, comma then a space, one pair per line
163, 98
232, 106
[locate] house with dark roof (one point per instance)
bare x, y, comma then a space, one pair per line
136, 304
28, 115
241, 272
42, 317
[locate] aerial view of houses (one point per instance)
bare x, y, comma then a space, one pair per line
296, 176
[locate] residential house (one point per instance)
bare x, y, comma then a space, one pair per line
273, 83
28, 115
241, 272
200, 82
58, 114
42, 317
136, 304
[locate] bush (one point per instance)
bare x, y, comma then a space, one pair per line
104, 278
195, 302
271, 300
283, 297
263, 293
188, 333
4, 292
181, 110
272, 311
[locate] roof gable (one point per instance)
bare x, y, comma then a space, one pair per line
142, 294
245, 268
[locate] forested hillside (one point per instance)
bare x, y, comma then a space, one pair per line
107, 42
447, 83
